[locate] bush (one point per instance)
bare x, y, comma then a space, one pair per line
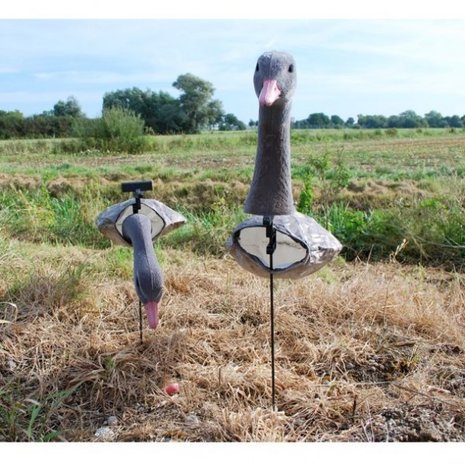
392, 132
119, 130
306, 197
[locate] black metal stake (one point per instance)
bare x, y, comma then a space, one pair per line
140, 323
135, 209
137, 195
271, 247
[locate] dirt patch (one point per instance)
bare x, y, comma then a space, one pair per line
416, 423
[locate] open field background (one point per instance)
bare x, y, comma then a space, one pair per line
371, 348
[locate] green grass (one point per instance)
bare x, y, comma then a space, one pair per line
430, 232
26, 419
374, 189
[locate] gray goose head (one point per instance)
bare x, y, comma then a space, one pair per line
274, 78
271, 189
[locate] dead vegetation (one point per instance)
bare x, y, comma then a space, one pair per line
365, 352
19, 181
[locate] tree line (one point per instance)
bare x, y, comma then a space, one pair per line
406, 119
193, 111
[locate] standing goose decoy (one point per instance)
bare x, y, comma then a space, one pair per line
277, 239
138, 222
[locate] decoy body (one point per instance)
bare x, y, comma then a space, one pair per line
124, 227
302, 246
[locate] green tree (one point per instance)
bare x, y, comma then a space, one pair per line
371, 121
130, 99
435, 119
394, 121
196, 102
11, 124
337, 121
160, 111
454, 121
254, 124
69, 108
318, 120
409, 119
230, 122
350, 122
169, 119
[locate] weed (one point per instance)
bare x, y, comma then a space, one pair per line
27, 419
392, 132
306, 196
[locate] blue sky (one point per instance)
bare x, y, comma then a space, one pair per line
345, 66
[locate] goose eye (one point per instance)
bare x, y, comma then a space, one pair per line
291, 68
256, 68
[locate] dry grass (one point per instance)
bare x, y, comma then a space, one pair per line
363, 352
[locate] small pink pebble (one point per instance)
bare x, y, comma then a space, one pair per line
172, 389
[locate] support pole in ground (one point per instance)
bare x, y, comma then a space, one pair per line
271, 247
140, 322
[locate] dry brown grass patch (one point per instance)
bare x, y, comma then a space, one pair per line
363, 352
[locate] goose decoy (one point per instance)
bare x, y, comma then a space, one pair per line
277, 239
137, 223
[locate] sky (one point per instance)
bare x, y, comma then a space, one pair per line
349, 66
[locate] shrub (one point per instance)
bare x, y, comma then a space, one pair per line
306, 196
391, 132
119, 130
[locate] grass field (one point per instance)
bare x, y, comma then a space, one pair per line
370, 348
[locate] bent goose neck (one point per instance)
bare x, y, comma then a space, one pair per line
147, 273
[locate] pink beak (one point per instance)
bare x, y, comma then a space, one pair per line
151, 310
270, 93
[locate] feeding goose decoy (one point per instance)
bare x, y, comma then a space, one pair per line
137, 223
277, 239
